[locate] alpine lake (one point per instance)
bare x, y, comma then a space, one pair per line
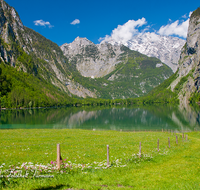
127, 118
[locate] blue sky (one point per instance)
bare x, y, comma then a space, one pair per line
97, 20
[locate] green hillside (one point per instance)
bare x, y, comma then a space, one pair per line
132, 77
20, 89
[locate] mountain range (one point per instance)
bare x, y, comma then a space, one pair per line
165, 48
35, 71
115, 71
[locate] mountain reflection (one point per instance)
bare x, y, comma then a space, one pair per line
104, 118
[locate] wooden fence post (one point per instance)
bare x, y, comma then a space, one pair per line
140, 151
158, 145
162, 130
169, 142
107, 155
186, 137
58, 156
176, 140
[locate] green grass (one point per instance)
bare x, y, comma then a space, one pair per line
177, 167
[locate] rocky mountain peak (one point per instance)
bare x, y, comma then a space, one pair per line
82, 41
92, 60
76, 47
165, 48
10, 22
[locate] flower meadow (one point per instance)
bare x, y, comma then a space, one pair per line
30, 170
28, 160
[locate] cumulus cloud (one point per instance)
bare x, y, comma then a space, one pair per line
42, 23
175, 28
125, 32
178, 28
76, 21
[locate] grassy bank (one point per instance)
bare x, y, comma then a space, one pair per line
84, 157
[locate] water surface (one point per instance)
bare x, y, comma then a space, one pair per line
102, 118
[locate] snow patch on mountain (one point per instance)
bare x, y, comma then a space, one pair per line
165, 48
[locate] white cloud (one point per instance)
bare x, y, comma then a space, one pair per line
184, 16
76, 21
125, 32
175, 28
43, 23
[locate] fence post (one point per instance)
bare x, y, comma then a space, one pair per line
140, 151
107, 155
158, 145
162, 130
186, 137
176, 140
169, 142
58, 156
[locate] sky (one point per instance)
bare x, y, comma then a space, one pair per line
61, 21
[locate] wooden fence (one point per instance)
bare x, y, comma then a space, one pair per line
59, 158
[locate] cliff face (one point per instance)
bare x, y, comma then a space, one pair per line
92, 60
44, 58
188, 76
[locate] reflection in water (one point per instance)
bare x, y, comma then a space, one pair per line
75, 120
104, 118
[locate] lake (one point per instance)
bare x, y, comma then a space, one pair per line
103, 118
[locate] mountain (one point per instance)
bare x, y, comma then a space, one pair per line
92, 60
187, 82
28, 51
165, 48
114, 71
184, 85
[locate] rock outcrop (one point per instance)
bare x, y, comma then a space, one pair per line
188, 75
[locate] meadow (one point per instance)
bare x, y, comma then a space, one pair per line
28, 160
